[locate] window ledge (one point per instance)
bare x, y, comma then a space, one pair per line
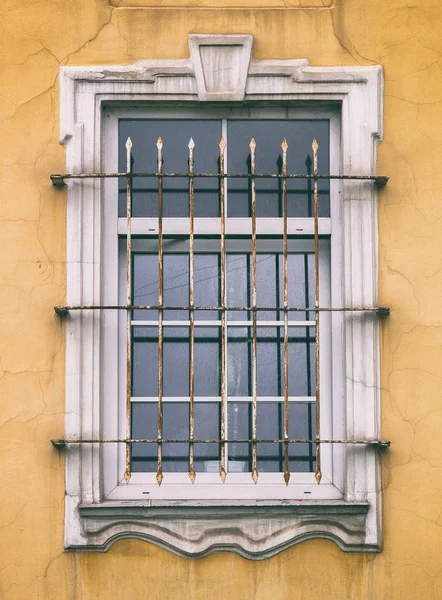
255, 530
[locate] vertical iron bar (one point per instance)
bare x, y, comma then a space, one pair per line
284, 147
160, 311
192, 473
129, 302
222, 146
318, 474
255, 475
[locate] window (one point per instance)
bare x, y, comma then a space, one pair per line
206, 411
100, 506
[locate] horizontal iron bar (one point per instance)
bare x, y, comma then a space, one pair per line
380, 310
58, 180
380, 443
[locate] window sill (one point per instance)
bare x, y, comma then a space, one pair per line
254, 529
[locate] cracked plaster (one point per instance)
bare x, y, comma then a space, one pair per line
226, 4
38, 36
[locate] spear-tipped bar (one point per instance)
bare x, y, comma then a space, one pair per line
255, 474
318, 474
192, 473
222, 194
284, 147
129, 301
159, 476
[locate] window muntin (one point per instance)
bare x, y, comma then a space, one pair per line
240, 225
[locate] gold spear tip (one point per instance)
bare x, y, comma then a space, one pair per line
127, 476
128, 143
314, 145
318, 477
252, 144
159, 143
286, 477
284, 144
192, 475
191, 144
255, 476
223, 474
160, 477
222, 143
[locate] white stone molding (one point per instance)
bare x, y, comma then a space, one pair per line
220, 68
220, 64
256, 532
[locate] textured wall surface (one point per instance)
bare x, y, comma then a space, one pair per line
37, 36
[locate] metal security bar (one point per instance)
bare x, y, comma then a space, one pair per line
222, 196
252, 147
254, 309
284, 147
192, 473
375, 443
129, 301
160, 312
318, 474
59, 180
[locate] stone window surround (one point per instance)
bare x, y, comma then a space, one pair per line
257, 529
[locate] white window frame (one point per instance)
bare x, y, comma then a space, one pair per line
192, 527
238, 485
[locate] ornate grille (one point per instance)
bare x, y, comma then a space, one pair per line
223, 308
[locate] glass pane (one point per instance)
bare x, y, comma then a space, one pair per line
144, 361
270, 426
239, 361
207, 361
207, 274
312, 358
207, 427
269, 135
176, 358
268, 290
270, 361
176, 134
239, 428
310, 290
176, 285
175, 361
301, 284
270, 284
144, 426
145, 285
175, 426
302, 425
239, 284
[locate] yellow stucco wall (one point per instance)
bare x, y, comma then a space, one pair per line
36, 37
